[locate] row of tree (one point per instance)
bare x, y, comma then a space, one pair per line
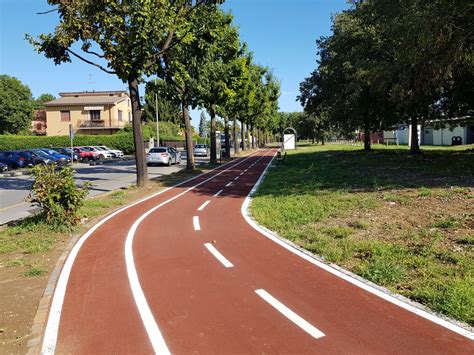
188, 51
17, 106
390, 62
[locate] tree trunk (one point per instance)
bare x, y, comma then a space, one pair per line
227, 137
248, 136
242, 135
142, 173
236, 140
189, 137
213, 134
367, 146
252, 135
414, 146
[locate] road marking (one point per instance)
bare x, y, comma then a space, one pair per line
203, 206
218, 193
288, 313
341, 273
196, 224
237, 178
229, 184
218, 255
242, 173
52, 325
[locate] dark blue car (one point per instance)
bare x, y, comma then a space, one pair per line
15, 159
58, 158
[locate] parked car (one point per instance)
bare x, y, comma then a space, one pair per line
60, 159
67, 152
15, 159
201, 150
163, 155
100, 154
86, 155
37, 158
3, 167
115, 152
107, 152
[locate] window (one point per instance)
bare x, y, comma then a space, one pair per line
94, 115
65, 116
129, 117
120, 115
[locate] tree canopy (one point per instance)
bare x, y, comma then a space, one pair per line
16, 106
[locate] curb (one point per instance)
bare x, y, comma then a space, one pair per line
16, 173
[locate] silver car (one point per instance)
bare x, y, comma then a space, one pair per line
201, 150
163, 155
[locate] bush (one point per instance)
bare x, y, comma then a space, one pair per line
56, 193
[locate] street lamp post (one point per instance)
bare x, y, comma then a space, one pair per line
157, 121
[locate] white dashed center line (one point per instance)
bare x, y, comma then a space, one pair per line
288, 313
237, 178
203, 206
242, 173
218, 193
218, 255
230, 183
197, 226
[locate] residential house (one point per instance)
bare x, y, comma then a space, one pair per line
38, 125
96, 112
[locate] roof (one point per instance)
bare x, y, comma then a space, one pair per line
94, 93
86, 100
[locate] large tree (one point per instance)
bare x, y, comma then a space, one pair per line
16, 106
124, 38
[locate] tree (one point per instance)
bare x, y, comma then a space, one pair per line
168, 110
218, 73
16, 106
40, 100
203, 125
124, 38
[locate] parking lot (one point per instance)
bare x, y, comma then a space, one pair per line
104, 178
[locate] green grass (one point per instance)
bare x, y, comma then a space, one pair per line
34, 272
337, 202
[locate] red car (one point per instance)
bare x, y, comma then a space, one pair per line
86, 154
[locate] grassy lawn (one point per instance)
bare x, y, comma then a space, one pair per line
403, 222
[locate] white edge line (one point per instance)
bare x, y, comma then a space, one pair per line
292, 316
218, 255
203, 206
342, 273
197, 226
52, 325
218, 193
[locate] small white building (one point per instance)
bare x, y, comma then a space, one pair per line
429, 135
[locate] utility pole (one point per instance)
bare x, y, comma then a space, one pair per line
157, 116
157, 121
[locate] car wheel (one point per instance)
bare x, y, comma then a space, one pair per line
169, 162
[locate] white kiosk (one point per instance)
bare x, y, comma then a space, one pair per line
289, 139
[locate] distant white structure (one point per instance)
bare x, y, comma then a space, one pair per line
429, 135
289, 139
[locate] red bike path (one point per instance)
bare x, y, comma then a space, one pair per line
202, 306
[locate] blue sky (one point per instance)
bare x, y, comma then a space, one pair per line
280, 33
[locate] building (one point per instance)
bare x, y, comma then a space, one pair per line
431, 135
38, 125
97, 112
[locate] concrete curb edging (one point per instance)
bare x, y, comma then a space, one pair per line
382, 292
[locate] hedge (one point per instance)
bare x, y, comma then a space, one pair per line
122, 141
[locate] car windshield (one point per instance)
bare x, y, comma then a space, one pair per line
41, 153
49, 151
25, 155
158, 150
201, 146
100, 148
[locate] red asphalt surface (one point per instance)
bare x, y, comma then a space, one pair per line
202, 307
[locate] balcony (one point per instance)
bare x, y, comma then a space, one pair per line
92, 124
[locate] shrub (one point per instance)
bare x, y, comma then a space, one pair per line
56, 193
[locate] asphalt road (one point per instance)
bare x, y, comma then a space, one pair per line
104, 178
186, 271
